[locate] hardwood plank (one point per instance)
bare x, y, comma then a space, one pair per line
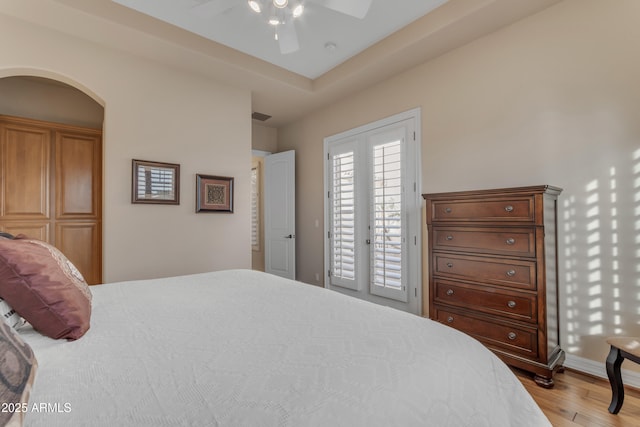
579, 399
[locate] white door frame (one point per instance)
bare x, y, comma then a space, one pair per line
414, 213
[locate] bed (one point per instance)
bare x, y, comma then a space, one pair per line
243, 348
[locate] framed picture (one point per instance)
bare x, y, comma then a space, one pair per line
155, 182
214, 193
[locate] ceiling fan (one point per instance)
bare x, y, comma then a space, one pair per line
280, 14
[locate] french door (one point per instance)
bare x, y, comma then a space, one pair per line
373, 212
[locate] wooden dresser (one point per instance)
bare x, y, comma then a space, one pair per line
493, 272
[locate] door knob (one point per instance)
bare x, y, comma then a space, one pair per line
290, 236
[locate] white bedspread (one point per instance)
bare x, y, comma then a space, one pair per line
241, 348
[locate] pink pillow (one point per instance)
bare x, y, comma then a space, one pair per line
44, 287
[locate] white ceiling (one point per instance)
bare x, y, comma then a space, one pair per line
233, 24
285, 95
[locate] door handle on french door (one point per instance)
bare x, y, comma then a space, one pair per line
290, 236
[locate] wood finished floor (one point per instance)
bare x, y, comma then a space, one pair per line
581, 400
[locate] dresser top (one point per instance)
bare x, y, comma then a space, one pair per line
536, 189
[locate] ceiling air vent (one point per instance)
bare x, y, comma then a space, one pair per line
260, 116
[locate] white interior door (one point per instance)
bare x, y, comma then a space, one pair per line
279, 214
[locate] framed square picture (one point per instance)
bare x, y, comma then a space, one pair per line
214, 193
155, 182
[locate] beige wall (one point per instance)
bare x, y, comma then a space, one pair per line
152, 112
553, 99
49, 100
264, 138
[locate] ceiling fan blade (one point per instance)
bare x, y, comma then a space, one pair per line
355, 8
287, 37
213, 7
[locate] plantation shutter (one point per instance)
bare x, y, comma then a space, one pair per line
386, 216
342, 218
255, 218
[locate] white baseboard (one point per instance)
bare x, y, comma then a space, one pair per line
597, 369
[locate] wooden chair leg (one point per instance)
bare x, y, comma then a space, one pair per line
614, 361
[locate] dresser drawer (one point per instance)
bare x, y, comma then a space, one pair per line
515, 339
502, 272
494, 301
516, 209
499, 241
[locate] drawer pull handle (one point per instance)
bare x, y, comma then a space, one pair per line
512, 336
511, 273
449, 292
450, 265
450, 319
510, 241
511, 304
508, 208
447, 210
449, 237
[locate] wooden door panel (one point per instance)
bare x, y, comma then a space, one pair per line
51, 188
81, 243
26, 169
78, 176
34, 230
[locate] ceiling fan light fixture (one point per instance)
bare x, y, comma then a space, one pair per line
280, 4
255, 6
297, 10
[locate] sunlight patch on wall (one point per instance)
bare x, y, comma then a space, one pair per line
594, 259
570, 275
615, 264
601, 256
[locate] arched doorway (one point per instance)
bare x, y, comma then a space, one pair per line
51, 162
